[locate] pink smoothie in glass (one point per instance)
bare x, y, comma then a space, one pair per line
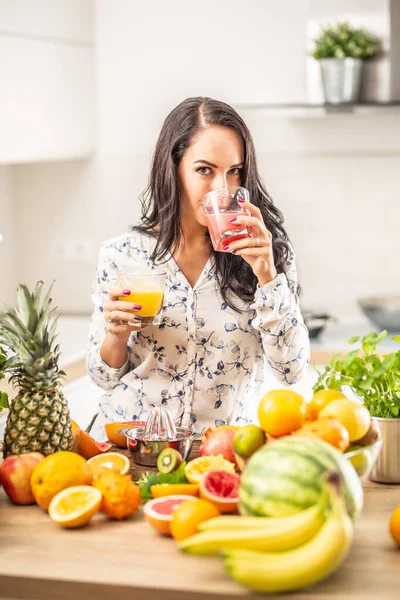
222, 231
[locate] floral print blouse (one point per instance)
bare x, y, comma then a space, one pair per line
205, 363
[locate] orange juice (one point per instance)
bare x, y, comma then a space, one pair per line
149, 297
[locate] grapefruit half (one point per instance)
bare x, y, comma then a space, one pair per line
158, 512
222, 489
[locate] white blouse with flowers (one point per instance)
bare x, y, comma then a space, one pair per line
205, 363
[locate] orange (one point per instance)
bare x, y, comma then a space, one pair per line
75, 506
172, 489
121, 497
355, 417
112, 460
57, 472
119, 439
158, 512
329, 430
196, 468
394, 525
320, 400
189, 515
281, 412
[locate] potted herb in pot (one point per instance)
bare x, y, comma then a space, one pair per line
341, 50
376, 381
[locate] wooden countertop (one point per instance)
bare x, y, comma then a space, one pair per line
108, 559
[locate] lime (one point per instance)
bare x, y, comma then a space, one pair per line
248, 439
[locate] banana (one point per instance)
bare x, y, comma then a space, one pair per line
229, 522
275, 539
298, 568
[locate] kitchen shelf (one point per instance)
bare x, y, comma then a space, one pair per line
307, 110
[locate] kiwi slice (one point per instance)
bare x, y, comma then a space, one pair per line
168, 460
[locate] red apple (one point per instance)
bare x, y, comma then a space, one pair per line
219, 441
15, 476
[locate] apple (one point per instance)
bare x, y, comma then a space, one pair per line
15, 476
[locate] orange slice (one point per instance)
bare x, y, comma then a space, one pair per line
75, 506
158, 512
196, 468
112, 460
119, 439
171, 489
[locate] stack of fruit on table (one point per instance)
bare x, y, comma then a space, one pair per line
293, 495
276, 501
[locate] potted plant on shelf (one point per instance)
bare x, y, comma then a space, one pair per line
341, 50
376, 381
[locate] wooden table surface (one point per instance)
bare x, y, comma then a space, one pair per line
108, 559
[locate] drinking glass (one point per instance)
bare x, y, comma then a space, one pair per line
147, 289
219, 207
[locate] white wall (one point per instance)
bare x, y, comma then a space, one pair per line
336, 179
8, 274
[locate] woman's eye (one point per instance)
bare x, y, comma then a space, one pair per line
203, 170
235, 171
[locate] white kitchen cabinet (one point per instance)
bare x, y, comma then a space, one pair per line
57, 19
46, 80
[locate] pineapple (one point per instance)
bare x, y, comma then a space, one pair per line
39, 419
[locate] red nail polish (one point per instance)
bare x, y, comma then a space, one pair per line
241, 200
127, 292
137, 306
232, 220
225, 247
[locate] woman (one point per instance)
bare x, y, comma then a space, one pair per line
227, 314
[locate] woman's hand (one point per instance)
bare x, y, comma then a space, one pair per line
256, 250
119, 315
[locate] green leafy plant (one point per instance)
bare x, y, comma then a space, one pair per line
3, 395
376, 380
146, 480
342, 41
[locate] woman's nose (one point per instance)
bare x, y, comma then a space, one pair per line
220, 181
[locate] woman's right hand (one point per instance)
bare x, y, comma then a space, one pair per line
119, 315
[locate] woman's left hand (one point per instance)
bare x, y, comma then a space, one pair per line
256, 250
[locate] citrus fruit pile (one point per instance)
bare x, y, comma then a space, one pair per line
329, 416
72, 489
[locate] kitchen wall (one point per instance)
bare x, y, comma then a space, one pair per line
7, 229
335, 178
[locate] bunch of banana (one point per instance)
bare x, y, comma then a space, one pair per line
257, 533
280, 554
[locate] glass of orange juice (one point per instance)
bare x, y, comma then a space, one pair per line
147, 289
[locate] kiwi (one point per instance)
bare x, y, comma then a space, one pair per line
168, 460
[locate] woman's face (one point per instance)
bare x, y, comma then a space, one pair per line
214, 160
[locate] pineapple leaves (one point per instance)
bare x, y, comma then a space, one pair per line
24, 306
28, 332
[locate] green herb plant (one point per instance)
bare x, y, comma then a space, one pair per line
375, 380
3, 395
146, 480
342, 41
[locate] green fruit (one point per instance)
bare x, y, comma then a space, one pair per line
362, 460
248, 439
168, 460
287, 476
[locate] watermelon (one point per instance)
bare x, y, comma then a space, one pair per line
287, 475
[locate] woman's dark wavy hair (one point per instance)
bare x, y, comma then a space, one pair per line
161, 202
